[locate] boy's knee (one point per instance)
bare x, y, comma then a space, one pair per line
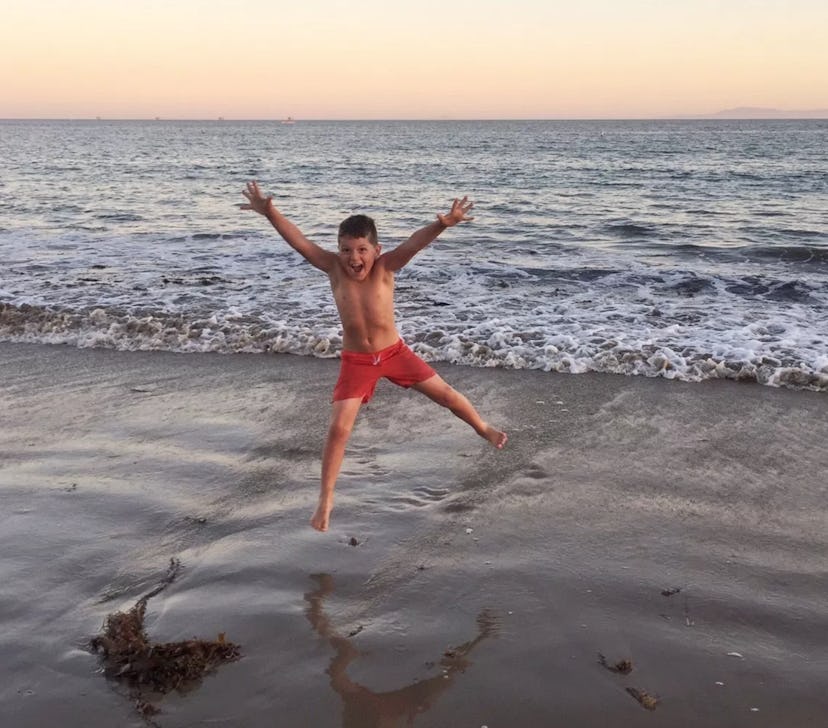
448, 397
339, 430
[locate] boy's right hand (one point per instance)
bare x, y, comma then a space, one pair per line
256, 200
459, 213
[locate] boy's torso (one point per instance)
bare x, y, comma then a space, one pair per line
366, 309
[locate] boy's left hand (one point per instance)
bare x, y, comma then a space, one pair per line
458, 213
257, 201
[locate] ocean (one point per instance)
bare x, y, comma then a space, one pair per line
687, 250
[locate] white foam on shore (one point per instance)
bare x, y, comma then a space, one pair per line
494, 343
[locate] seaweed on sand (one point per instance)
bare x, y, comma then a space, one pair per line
650, 702
129, 656
624, 667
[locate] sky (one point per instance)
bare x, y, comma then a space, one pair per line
409, 59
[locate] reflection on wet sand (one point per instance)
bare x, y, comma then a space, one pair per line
365, 708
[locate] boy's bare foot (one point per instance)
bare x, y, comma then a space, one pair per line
496, 437
322, 517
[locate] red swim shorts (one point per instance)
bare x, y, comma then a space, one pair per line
360, 372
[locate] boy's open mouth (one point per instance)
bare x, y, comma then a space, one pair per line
357, 267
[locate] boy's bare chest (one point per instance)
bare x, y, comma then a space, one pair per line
362, 294
371, 296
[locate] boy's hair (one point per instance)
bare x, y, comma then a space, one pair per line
358, 226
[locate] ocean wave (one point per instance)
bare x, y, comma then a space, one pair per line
159, 331
120, 217
630, 230
649, 361
806, 254
492, 346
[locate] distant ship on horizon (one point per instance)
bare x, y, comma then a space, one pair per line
289, 120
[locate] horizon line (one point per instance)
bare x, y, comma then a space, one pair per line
773, 115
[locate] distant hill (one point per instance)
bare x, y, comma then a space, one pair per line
757, 112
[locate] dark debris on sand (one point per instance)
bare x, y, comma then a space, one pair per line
624, 667
650, 702
128, 655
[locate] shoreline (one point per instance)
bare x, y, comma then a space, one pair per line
657, 364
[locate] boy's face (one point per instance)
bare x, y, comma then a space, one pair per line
357, 256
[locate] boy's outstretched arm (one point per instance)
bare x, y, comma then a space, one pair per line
397, 258
292, 235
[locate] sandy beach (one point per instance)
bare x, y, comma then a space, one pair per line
681, 527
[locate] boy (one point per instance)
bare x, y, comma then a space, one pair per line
362, 281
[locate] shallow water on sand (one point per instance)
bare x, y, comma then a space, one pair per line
482, 585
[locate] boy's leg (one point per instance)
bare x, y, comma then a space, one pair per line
438, 390
343, 416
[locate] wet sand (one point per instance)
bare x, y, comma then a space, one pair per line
679, 526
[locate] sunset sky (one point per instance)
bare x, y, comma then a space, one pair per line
365, 59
